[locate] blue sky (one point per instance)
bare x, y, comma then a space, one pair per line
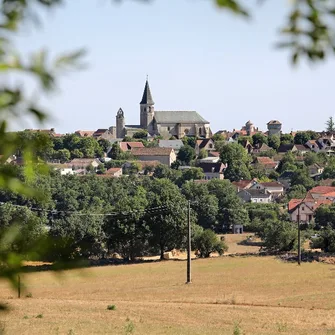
197, 57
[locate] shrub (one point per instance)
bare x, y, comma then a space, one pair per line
111, 307
39, 316
207, 242
29, 295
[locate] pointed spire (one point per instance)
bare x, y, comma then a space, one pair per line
147, 98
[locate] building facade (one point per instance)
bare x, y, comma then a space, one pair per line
164, 123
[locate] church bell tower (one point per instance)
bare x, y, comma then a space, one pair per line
147, 110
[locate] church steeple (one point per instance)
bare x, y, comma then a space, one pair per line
147, 108
147, 97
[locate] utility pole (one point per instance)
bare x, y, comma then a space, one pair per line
188, 281
299, 239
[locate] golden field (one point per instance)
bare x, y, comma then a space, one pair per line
248, 295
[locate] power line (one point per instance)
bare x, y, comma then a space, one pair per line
150, 210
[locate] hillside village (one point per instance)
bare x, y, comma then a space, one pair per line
295, 170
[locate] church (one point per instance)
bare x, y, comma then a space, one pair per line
163, 123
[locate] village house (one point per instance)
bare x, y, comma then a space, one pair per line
105, 134
255, 195
115, 172
260, 148
84, 133
315, 170
295, 148
84, 163
320, 192
164, 155
275, 188
303, 210
266, 162
207, 144
243, 184
213, 170
128, 146
64, 169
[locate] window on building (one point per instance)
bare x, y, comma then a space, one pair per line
210, 145
200, 131
168, 128
303, 208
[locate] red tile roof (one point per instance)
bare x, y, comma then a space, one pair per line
126, 146
316, 203
242, 184
322, 189
151, 151
293, 203
113, 170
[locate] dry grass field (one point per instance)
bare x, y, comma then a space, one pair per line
229, 295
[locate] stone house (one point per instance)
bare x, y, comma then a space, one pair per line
207, 144
114, 172
128, 146
255, 195
164, 155
84, 163
303, 210
275, 188
213, 170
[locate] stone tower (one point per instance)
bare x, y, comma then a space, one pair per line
250, 128
274, 128
147, 110
120, 124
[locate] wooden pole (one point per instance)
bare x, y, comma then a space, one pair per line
299, 238
188, 281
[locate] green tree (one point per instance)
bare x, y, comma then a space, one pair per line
330, 125
244, 139
186, 154
259, 139
63, 155
297, 192
231, 210
286, 139
141, 134
115, 151
205, 205
279, 235
207, 242
168, 227
329, 172
301, 177
274, 142
189, 140
237, 160
203, 153
104, 144
302, 137
193, 173
326, 240
310, 158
